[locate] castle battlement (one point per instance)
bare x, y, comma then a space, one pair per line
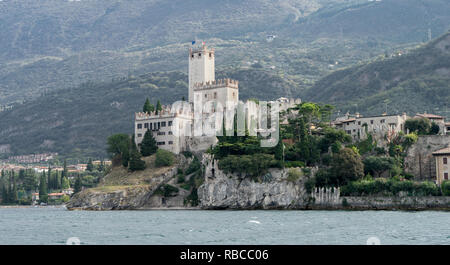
166, 112
227, 82
203, 49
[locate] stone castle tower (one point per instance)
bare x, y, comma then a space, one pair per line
201, 67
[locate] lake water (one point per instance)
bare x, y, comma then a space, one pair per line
56, 225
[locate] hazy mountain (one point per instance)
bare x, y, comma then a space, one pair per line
48, 45
414, 82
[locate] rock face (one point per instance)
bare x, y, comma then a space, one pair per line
230, 191
130, 197
123, 199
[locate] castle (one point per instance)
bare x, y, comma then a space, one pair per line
176, 129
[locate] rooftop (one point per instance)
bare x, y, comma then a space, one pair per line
443, 151
429, 116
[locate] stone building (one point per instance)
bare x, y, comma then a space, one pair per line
442, 158
169, 128
439, 120
420, 161
358, 126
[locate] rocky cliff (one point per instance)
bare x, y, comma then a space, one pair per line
123, 190
231, 191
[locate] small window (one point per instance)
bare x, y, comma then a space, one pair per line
163, 124
192, 56
145, 125
359, 123
445, 161
210, 55
139, 134
170, 133
170, 123
371, 121
170, 142
206, 96
139, 126
215, 95
200, 55
446, 176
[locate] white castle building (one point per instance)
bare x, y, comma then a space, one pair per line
175, 129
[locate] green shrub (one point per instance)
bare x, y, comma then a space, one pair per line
294, 164
180, 179
194, 166
167, 190
251, 165
389, 187
445, 186
294, 174
309, 185
164, 158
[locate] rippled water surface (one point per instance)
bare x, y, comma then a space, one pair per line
56, 225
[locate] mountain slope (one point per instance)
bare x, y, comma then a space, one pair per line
415, 82
76, 122
48, 45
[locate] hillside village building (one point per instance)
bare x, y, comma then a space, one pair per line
358, 126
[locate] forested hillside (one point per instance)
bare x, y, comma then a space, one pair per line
415, 82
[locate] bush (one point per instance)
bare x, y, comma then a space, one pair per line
294, 164
164, 158
309, 185
445, 186
167, 191
180, 179
294, 174
251, 165
389, 187
194, 166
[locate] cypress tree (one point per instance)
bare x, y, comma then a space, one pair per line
148, 144
5, 197
136, 163
148, 107
90, 166
14, 198
43, 193
158, 107
77, 187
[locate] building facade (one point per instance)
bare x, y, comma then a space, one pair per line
358, 127
442, 158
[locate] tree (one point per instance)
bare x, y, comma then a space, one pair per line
65, 184
148, 144
118, 148
164, 158
346, 166
419, 125
78, 185
90, 165
434, 129
135, 163
158, 107
5, 196
43, 193
377, 165
148, 108
13, 195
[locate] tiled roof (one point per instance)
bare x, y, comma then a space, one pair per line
443, 151
430, 116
